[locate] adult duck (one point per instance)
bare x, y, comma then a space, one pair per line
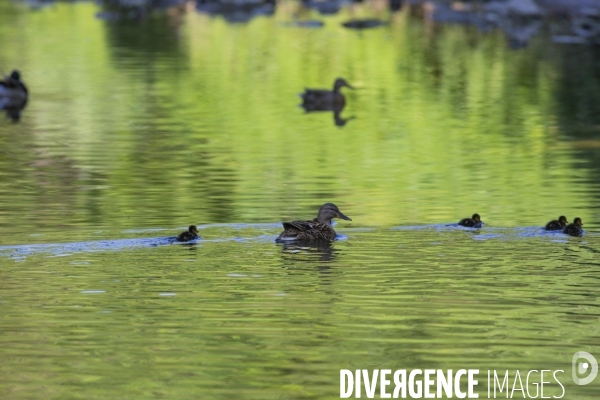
13, 95
473, 222
190, 234
557, 225
318, 229
574, 229
320, 98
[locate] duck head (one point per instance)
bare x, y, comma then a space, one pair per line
15, 75
476, 218
339, 83
193, 229
563, 220
329, 211
577, 221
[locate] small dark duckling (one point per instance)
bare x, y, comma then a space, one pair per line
574, 229
318, 98
13, 95
317, 229
557, 225
473, 222
190, 234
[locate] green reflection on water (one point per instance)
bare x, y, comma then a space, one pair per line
194, 119
188, 119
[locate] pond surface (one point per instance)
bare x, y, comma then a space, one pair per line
135, 130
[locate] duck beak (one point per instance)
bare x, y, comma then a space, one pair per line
342, 216
348, 86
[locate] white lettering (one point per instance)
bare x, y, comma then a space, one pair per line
563, 388
370, 386
536, 385
542, 383
505, 381
345, 393
472, 383
427, 382
411, 384
444, 383
517, 376
383, 383
400, 384
459, 373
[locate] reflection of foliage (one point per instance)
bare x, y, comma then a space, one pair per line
200, 124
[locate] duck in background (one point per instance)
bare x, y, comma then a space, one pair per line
557, 225
314, 230
327, 100
574, 229
319, 98
190, 234
13, 95
473, 222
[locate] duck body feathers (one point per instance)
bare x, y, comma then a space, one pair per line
575, 228
318, 229
307, 231
318, 99
190, 234
473, 222
469, 223
186, 236
13, 95
321, 99
555, 226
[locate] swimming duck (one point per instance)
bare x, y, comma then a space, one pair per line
557, 225
190, 234
13, 95
319, 98
473, 222
574, 229
318, 229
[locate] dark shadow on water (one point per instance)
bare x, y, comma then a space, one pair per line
311, 252
363, 23
237, 12
336, 109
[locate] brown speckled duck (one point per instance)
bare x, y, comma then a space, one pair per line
557, 225
190, 234
13, 95
319, 98
318, 229
574, 229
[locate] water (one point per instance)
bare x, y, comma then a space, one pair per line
134, 132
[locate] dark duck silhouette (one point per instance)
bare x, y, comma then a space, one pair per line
557, 225
473, 222
574, 229
318, 229
321, 99
190, 234
363, 23
13, 95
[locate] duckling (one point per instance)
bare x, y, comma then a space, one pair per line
319, 98
574, 229
557, 225
13, 95
318, 229
190, 234
473, 222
